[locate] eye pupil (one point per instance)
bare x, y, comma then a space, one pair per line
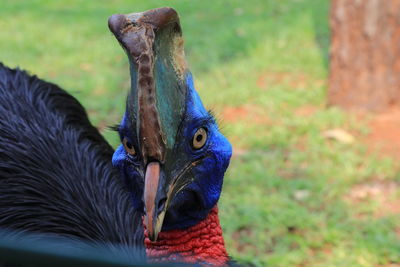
129, 145
199, 138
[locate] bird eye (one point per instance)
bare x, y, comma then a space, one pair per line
199, 138
129, 147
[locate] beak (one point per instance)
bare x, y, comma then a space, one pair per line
154, 200
156, 102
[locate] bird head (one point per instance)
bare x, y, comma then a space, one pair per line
172, 155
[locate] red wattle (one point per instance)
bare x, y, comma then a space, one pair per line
201, 243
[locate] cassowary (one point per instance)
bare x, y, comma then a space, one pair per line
55, 168
172, 157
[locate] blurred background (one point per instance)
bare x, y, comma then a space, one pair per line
314, 178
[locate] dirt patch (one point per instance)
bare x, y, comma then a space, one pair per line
384, 137
245, 113
86, 67
292, 79
389, 265
239, 152
326, 249
306, 110
240, 236
382, 192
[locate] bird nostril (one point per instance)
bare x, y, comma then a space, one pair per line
161, 204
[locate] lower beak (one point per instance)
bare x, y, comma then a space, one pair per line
153, 219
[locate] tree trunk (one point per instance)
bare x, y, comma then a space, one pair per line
365, 54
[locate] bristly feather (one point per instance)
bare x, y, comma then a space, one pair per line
115, 127
56, 175
217, 120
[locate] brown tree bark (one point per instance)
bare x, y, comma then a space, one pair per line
365, 54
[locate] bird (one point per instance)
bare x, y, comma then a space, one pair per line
157, 192
172, 155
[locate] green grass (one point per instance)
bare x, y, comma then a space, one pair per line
257, 64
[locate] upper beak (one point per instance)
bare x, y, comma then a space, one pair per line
157, 99
154, 198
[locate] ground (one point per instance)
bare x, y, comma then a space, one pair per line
384, 137
308, 184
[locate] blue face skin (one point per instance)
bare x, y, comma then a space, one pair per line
200, 171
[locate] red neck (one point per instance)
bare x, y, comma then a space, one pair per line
201, 243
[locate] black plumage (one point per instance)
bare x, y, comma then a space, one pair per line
56, 175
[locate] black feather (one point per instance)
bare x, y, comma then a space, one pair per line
56, 175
